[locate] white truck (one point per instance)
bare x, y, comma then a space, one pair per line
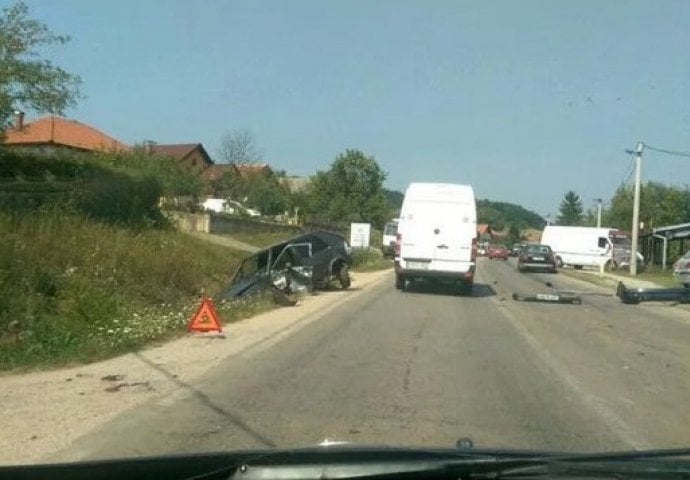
589, 246
437, 234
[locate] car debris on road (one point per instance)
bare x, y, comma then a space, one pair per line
633, 296
558, 297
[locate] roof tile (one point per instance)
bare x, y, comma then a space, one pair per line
62, 131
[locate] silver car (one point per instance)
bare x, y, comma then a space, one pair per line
681, 269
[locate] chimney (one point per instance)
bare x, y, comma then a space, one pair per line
18, 120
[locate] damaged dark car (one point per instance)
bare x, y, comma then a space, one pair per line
297, 265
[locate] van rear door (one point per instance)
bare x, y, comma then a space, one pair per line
439, 231
454, 230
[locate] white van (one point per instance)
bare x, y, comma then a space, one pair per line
390, 234
437, 234
589, 246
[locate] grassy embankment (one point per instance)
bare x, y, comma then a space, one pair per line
89, 267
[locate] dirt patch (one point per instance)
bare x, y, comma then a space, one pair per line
45, 411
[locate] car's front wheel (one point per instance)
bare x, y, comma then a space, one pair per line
343, 276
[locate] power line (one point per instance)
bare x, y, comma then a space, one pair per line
628, 175
667, 152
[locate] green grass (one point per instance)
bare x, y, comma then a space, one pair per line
77, 290
369, 260
650, 274
654, 274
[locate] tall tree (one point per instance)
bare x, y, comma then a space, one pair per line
570, 210
239, 146
350, 191
27, 81
659, 205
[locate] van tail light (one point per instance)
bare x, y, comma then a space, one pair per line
474, 249
396, 246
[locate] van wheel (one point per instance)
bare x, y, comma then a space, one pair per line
466, 288
559, 262
343, 276
611, 266
399, 281
578, 267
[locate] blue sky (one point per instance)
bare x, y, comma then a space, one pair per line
522, 99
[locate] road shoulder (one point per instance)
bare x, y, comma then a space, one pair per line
51, 409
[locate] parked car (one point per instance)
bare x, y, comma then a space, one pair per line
390, 232
497, 252
537, 257
517, 248
681, 269
301, 263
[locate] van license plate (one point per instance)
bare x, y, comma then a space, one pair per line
418, 265
538, 259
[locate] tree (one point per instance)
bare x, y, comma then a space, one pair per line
500, 214
395, 199
570, 210
27, 81
350, 191
265, 192
659, 205
228, 185
239, 146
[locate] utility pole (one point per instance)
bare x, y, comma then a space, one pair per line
598, 200
636, 209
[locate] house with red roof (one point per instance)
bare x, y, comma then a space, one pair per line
52, 134
192, 155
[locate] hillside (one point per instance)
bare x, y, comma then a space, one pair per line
503, 214
498, 214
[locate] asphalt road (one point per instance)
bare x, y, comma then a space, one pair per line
427, 367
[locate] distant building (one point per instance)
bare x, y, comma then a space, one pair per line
192, 155
52, 134
486, 233
214, 172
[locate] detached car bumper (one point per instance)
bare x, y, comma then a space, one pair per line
537, 266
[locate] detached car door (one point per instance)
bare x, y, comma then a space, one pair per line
294, 266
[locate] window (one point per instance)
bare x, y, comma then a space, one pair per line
603, 242
317, 244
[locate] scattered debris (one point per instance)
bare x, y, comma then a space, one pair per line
558, 297
116, 388
113, 378
633, 296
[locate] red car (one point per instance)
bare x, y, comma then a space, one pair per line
497, 252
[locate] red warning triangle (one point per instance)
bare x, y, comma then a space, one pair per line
205, 319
